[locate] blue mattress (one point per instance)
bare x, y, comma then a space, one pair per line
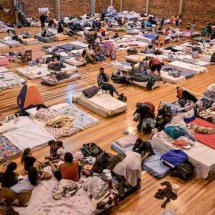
119, 149
155, 166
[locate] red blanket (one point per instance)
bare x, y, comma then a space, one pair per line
206, 139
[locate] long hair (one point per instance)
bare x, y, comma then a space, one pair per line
25, 153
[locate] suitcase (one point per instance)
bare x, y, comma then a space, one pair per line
155, 166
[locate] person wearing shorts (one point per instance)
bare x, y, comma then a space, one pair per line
155, 65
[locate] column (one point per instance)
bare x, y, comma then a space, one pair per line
57, 10
93, 6
15, 12
180, 7
147, 7
120, 5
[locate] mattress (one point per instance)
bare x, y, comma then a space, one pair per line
11, 43
201, 156
206, 139
34, 72
103, 104
189, 67
116, 147
3, 46
4, 60
124, 143
123, 65
143, 39
144, 84
155, 166
45, 39
170, 79
135, 58
7, 149
115, 29
73, 77
28, 135
72, 61
132, 31
68, 47
42, 201
9, 79
79, 44
30, 41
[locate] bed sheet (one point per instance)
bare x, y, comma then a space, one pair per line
28, 135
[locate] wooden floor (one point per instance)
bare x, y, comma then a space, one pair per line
196, 197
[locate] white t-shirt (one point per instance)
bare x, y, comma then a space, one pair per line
61, 152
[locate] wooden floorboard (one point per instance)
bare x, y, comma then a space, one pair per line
196, 197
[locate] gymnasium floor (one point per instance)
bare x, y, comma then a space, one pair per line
196, 197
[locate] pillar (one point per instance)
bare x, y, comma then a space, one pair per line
120, 5
147, 7
180, 7
15, 12
57, 10
93, 6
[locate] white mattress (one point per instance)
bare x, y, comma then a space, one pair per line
201, 156
3, 46
144, 84
79, 44
143, 39
170, 79
42, 202
72, 61
135, 58
103, 102
34, 72
30, 41
11, 43
28, 135
189, 67
160, 56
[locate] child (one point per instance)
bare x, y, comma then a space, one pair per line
61, 151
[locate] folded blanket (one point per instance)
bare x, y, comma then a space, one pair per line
64, 122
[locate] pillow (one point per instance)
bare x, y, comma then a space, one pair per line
8, 198
7, 127
189, 116
126, 141
32, 111
21, 186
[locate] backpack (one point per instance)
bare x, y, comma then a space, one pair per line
184, 170
174, 131
122, 98
148, 124
91, 149
213, 58
132, 51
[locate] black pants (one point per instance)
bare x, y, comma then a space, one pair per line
110, 88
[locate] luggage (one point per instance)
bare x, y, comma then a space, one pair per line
132, 51
213, 58
184, 170
91, 149
154, 166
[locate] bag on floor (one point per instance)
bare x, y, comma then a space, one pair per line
213, 58
184, 170
122, 98
132, 51
174, 131
91, 149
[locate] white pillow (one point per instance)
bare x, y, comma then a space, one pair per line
7, 127
32, 111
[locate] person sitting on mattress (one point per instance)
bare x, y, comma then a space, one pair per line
155, 65
68, 170
103, 84
29, 161
184, 94
144, 148
90, 55
68, 31
9, 177
82, 57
